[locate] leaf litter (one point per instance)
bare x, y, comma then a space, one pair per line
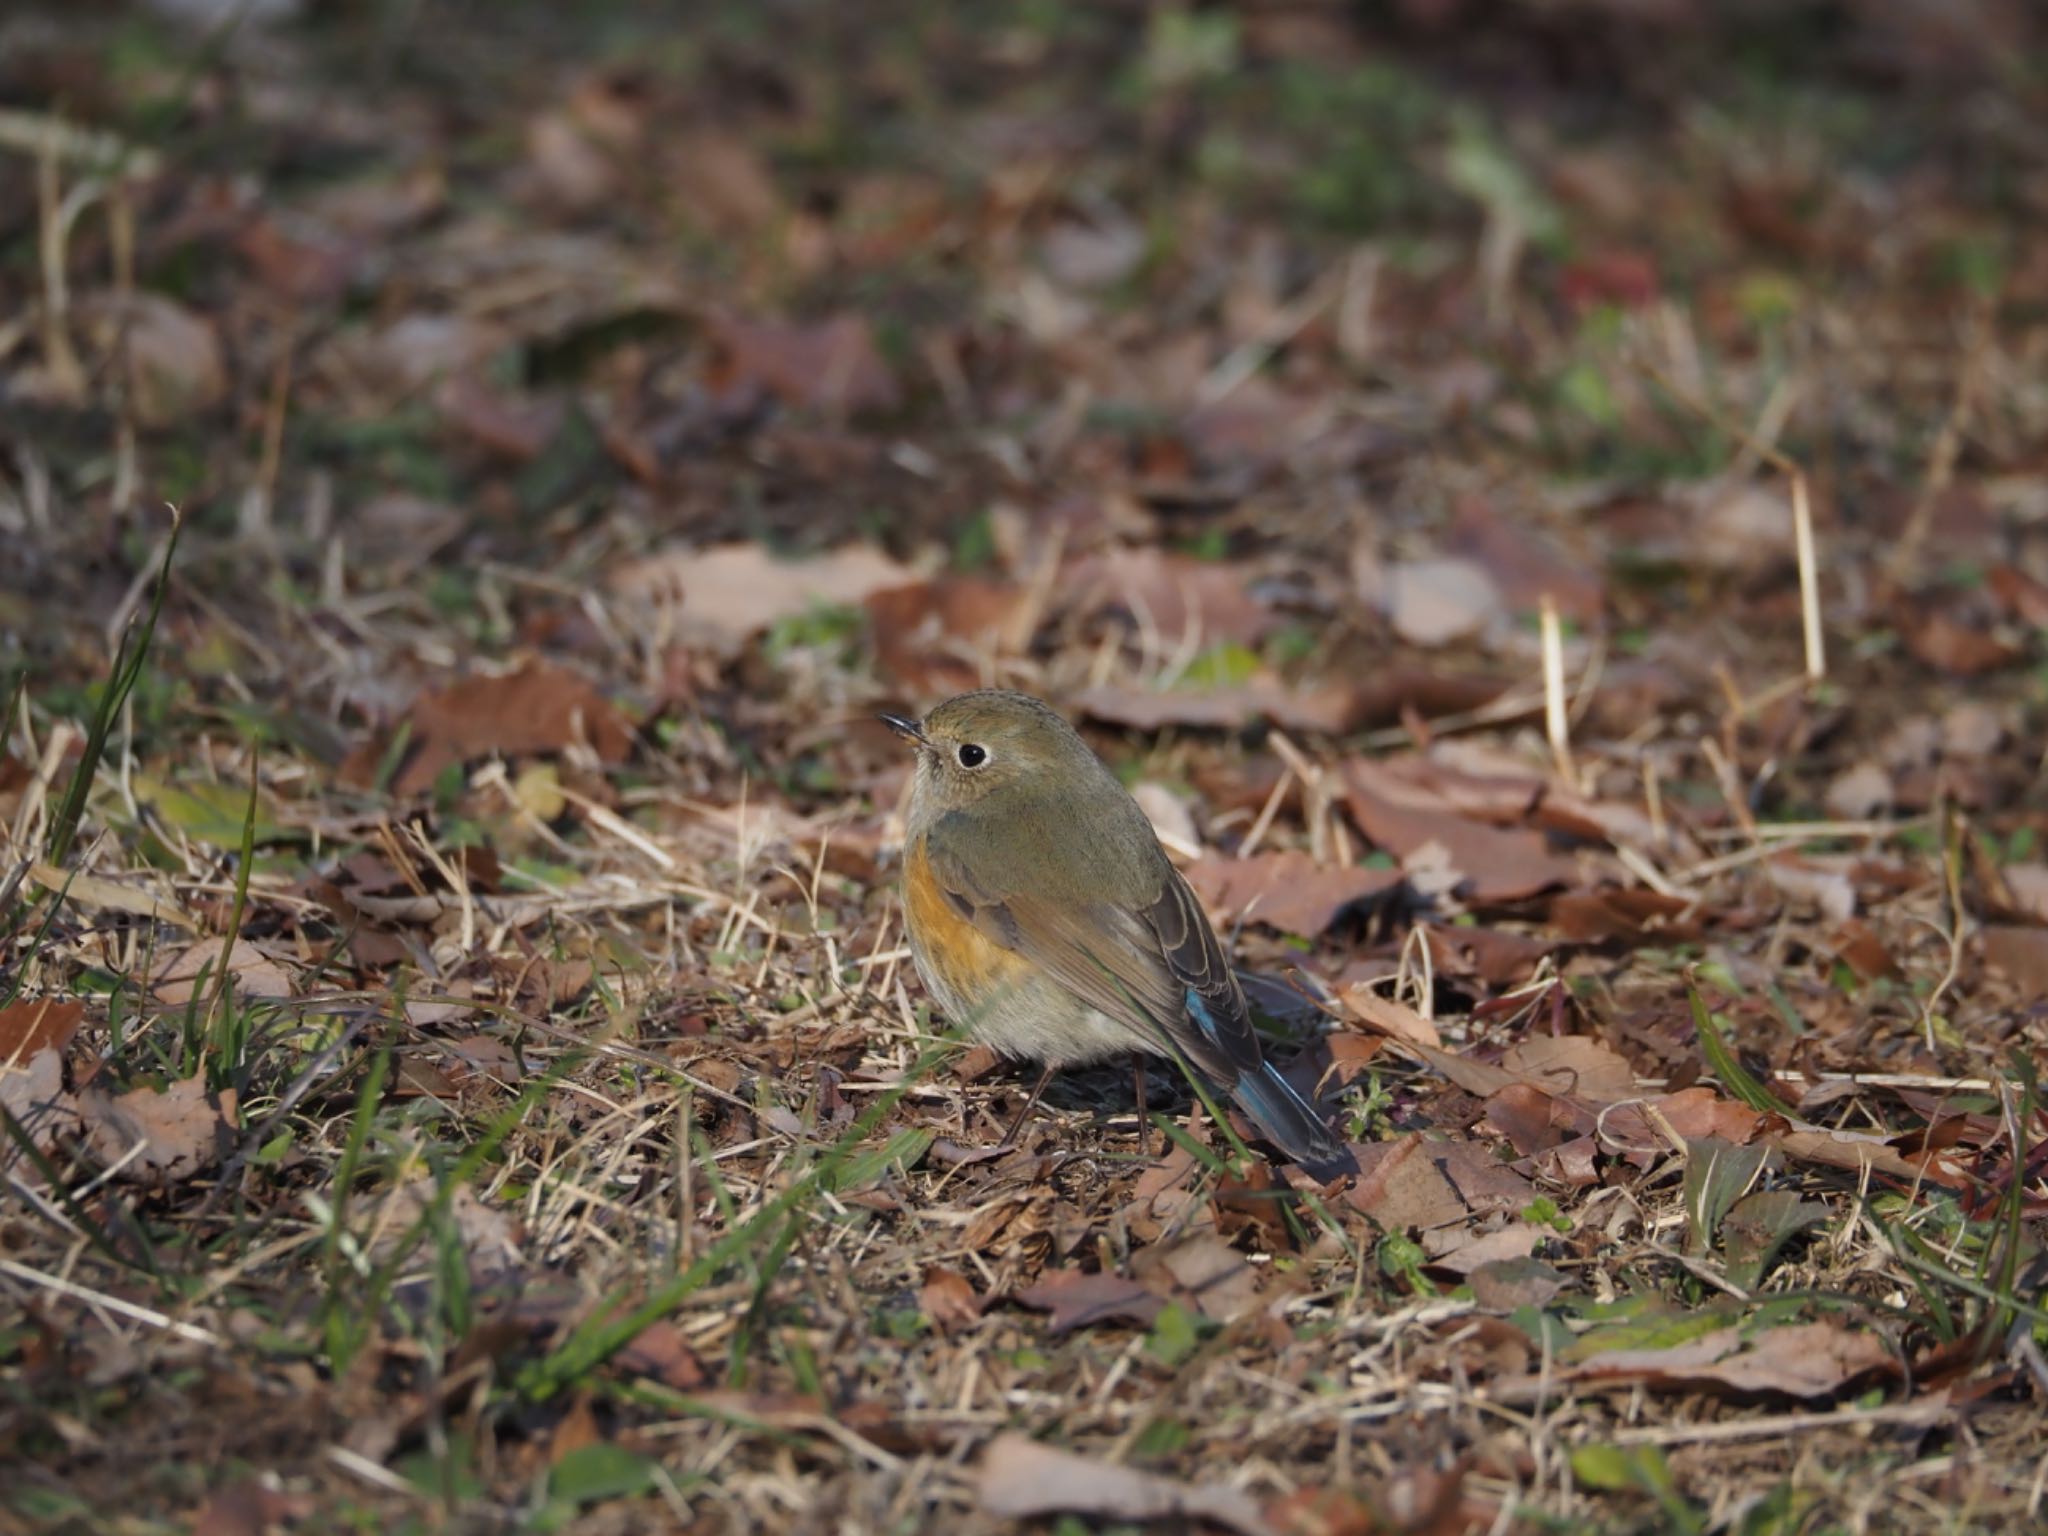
527, 1108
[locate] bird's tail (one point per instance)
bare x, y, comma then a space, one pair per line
1290, 1122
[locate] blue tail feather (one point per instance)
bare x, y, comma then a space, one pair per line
1287, 1118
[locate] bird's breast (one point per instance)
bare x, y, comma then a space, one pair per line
957, 960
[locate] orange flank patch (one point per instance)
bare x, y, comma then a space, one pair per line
968, 962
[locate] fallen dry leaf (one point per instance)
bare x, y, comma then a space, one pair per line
1327, 710
1413, 1182
1204, 1274
1020, 1479
539, 708
255, 974
1434, 602
1078, 1299
179, 1131
1390, 1016
111, 896
1405, 817
948, 1300
1951, 646
731, 592
1172, 595
1574, 1066
32, 1091
934, 638
1798, 1360
832, 367
2020, 953
1626, 916
1523, 566
45, 1024
1284, 890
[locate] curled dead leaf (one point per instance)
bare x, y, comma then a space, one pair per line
159, 1138
1019, 1479
1284, 890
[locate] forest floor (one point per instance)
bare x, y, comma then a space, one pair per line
460, 1064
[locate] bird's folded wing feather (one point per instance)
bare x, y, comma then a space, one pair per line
1156, 968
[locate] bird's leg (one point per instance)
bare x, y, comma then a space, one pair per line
1138, 1084
1010, 1136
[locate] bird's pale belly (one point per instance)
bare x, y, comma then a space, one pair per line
997, 996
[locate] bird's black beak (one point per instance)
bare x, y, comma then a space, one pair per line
908, 729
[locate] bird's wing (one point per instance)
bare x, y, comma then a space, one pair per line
1155, 967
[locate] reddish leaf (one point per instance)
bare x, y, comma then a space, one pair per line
1080, 1300
1404, 817
179, 1131
540, 708
948, 1300
1798, 1360
1535, 1121
47, 1024
929, 636
1284, 890
1948, 645
1630, 916
1523, 566
1173, 595
2020, 954
1328, 710
833, 367
1412, 1182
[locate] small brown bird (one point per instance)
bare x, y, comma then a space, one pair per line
1047, 921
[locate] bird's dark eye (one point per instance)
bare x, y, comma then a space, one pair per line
972, 756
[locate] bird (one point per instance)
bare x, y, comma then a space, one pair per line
1048, 923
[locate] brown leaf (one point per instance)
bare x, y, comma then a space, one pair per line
948, 1300
1506, 1285
1949, 645
1571, 1066
832, 367
180, 1131
1434, 602
1835, 1149
662, 1352
1404, 817
1020, 1479
255, 973
731, 592
1628, 916
47, 1024
1413, 1182
1326, 710
177, 369
2027, 886
247, 1508
2020, 953
720, 181
1535, 1121
1495, 956
1284, 890
1202, 1273
2020, 595
1080, 1300
931, 636
1391, 1017
512, 427
1174, 595
32, 1090
1523, 566
1797, 1360
540, 708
